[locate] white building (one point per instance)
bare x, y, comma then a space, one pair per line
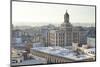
63, 35
91, 42
66, 34
16, 56
59, 55
90, 51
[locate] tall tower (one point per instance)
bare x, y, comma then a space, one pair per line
67, 28
66, 17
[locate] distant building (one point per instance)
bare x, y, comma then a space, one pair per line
56, 38
36, 38
91, 36
16, 37
79, 35
91, 32
66, 34
38, 44
63, 35
91, 42
16, 57
44, 35
67, 28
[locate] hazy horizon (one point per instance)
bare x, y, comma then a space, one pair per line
74, 24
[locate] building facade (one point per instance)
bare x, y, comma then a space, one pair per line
79, 35
66, 34
91, 42
59, 54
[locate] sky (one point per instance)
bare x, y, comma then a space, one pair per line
25, 13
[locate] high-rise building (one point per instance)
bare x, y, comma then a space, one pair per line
66, 34
63, 35
67, 28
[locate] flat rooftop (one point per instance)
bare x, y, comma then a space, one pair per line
28, 62
62, 52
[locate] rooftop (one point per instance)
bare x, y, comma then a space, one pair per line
91, 49
16, 53
59, 51
28, 62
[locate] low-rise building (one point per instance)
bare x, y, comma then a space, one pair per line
59, 54
90, 51
16, 57
91, 41
20, 57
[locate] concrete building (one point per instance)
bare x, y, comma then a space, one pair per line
21, 57
17, 38
38, 44
66, 34
37, 38
90, 51
30, 62
59, 54
79, 35
16, 57
45, 35
67, 28
63, 35
91, 42
56, 38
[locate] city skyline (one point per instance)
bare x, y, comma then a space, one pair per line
51, 44
29, 13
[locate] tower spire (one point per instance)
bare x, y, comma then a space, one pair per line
66, 17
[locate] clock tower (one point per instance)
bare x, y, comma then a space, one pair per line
67, 28
66, 17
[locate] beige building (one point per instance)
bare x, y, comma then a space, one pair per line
56, 38
63, 35
16, 56
66, 34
